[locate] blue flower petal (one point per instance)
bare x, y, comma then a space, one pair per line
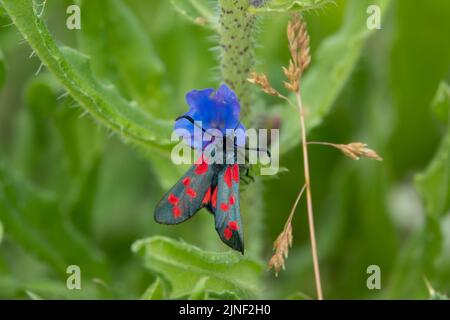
227, 107
199, 102
214, 109
185, 129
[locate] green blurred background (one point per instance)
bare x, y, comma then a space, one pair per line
74, 192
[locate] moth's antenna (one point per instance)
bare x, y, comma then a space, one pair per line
259, 150
252, 149
255, 149
238, 124
191, 120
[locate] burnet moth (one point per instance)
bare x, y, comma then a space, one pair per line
209, 184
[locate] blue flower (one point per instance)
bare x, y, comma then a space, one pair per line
215, 110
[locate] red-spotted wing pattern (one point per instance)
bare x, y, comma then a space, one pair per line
227, 212
210, 199
192, 192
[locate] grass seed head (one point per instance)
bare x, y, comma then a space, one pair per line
262, 81
281, 247
357, 150
298, 40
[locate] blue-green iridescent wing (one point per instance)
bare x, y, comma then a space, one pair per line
227, 211
191, 193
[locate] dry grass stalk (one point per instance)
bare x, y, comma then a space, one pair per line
298, 39
284, 240
300, 59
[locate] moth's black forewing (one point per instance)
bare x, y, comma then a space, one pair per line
212, 186
186, 197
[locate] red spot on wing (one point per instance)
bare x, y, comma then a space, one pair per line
173, 200
199, 160
224, 206
214, 198
191, 192
176, 211
232, 200
227, 176
227, 233
187, 181
207, 197
235, 172
233, 225
201, 168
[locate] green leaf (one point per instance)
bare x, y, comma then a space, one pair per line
414, 81
22, 231
2, 70
124, 54
1, 232
82, 208
434, 187
41, 95
222, 295
299, 296
433, 184
423, 252
44, 288
73, 70
33, 296
155, 291
331, 67
199, 292
167, 172
185, 265
286, 6
441, 102
33, 219
433, 294
199, 12
84, 159
436, 295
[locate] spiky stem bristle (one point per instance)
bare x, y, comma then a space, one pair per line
237, 47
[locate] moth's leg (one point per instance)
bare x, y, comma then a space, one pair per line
245, 175
248, 175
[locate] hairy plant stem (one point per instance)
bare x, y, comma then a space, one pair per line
237, 48
236, 29
309, 198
